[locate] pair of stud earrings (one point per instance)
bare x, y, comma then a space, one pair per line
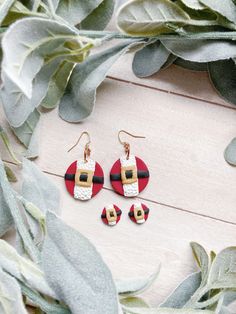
84, 178
138, 213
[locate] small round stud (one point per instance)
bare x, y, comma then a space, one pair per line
111, 215
139, 213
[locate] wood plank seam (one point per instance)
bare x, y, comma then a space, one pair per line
169, 92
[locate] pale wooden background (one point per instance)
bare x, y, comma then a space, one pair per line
191, 193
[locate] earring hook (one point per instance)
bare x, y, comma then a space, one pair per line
126, 144
87, 150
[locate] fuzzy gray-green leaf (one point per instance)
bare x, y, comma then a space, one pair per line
201, 50
223, 270
100, 16
11, 300
4, 8
65, 258
6, 220
230, 152
25, 131
202, 260
79, 98
10, 174
193, 4
57, 85
16, 105
26, 43
226, 8
150, 59
183, 293
75, 11
223, 76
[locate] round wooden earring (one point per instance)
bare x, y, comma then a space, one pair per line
84, 178
129, 175
139, 213
111, 215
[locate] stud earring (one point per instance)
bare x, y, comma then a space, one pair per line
129, 175
139, 213
84, 178
111, 215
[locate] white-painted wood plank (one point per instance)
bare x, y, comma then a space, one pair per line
173, 80
183, 149
136, 251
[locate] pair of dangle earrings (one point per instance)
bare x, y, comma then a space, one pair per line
85, 178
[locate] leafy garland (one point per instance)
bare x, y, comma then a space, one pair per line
46, 47
54, 269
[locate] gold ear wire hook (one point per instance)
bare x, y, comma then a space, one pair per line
87, 150
126, 144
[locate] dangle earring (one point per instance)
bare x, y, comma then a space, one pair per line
84, 178
129, 175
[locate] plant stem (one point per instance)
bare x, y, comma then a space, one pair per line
191, 36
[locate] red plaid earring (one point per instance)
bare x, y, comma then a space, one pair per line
129, 175
84, 178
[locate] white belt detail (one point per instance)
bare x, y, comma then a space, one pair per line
130, 190
139, 205
81, 192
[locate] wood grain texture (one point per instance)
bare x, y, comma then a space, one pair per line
184, 145
135, 251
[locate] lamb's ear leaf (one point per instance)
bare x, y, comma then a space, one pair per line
11, 300
4, 8
222, 272
223, 75
10, 174
201, 50
230, 152
164, 311
75, 11
25, 131
183, 293
6, 221
132, 287
25, 45
100, 16
79, 98
17, 106
134, 302
193, 4
193, 66
66, 255
202, 260
226, 8
156, 54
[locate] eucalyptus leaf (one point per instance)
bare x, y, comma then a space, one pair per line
183, 293
76, 11
156, 54
4, 8
25, 131
193, 66
26, 43
11, 203
23, 269
223, 76
132, 287
10, 174
226, 8
100, 16
223, 270
66, 255
10, 295
171, 59
202, 260
57, 85
201, 50
16, 105
79, 98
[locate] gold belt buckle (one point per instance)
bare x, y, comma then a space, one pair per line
139, 213
129, 174
84, 177
111, 215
